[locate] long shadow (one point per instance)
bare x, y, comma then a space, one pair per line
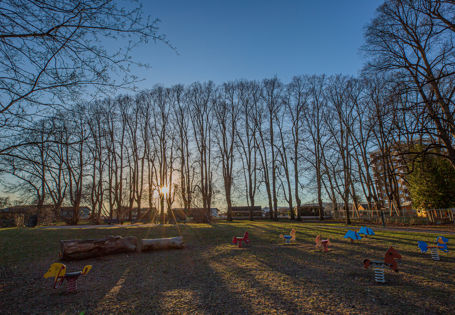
382, 233
360, 249
274, 297
392, 240
197, 279
368, 250
38, 296
181, 281
393, 279
281, 266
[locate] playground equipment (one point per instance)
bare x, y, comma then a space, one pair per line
322, 244
441, 244
240, 239
58, 271
288, 238
379, 265
352, 235
366, 231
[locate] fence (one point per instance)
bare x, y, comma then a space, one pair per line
239, 213
427, 216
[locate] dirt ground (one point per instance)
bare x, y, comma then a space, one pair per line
211, 276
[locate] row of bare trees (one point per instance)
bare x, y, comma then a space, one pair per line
246, 141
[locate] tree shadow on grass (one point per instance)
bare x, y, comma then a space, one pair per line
180, 281
31, 293
345, 274
212, 276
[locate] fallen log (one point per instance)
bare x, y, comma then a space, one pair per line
82, 249
162, 243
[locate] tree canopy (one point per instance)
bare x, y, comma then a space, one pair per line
432, 183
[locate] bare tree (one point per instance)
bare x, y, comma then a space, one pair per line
314, 123
283, 148
226, 112
29, 164
56, 182
414, 40
200, 99
97, 151
339, 124
246, 135
383, 108
362, 136
54, 49
76, 134
296, 105
272, 94
163, 145
261, 142
182, 130
114, 143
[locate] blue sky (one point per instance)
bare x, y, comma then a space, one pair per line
229, 40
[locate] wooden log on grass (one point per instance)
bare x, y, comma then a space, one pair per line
82, 249
162, 243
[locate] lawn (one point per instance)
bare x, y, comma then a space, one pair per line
212, 276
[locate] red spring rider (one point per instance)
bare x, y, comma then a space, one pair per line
322, 244
240, 239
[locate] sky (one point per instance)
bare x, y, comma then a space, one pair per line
249, 39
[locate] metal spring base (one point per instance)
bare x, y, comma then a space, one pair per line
325, 246
434, 253
379, 274
71, 285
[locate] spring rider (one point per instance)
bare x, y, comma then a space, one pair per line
58, 271
288, 238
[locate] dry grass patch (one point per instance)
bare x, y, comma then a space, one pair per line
211, 276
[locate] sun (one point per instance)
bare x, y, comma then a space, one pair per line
164, 190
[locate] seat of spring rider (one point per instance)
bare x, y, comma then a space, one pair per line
239, 239
242, 238
73, 274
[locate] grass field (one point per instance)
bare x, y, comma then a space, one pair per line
210, 276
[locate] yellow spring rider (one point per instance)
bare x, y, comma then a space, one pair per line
58, 272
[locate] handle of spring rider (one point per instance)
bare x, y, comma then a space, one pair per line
86, 269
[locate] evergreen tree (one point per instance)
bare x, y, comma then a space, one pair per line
432, 182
